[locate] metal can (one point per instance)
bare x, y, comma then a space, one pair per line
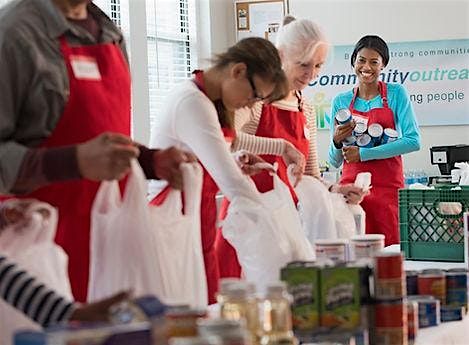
366, 246
411, 282
452, 313
375, 131
349, 141
389, 135
336, 250
343, 116
391, 322
432, 282
389, 276
359, 129
429, 310
412, 320
364, 140
457, 287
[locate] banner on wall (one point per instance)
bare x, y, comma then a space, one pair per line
435, 74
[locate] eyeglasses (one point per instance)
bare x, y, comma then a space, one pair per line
254, 90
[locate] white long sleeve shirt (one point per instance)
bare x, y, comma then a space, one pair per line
189, 121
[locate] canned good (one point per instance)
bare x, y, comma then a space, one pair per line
411, 282
391, 322
349, 141
389, 276
343, 116
359, 129
336, 250
302, 280
375, 131
429, 310
389, 135
452, 313
412, 320
364, 140
457, 287
366, 246
432, 282
340, 297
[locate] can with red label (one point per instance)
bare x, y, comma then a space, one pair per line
432, 282
389, 276
391, 322
412, 320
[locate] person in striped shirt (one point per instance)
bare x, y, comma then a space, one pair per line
37, 301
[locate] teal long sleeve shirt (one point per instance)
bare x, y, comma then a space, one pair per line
404, 118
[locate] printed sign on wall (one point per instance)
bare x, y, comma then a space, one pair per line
435, 74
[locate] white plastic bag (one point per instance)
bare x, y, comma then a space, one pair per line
362, 180
32, 247
149, 249
266, 235
315, 208
344, 219
179, 242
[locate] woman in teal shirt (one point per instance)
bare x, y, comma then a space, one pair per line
384, 127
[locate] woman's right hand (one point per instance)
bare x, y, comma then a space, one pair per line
343, 131
291, 155
106, 157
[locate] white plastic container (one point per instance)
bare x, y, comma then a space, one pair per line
335, 250
366, 246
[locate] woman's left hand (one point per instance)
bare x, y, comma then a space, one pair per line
353, 194
252, 164
351, 154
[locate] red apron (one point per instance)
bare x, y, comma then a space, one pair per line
274, 123
208, 216
94, 106
381, 206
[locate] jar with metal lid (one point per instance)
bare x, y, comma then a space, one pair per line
276, 316
240, 303
231, 332
200, 340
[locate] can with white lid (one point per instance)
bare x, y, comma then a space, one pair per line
366, 246
335, 250
349, 141
389, 135
375, 131
364, 140
360, 129
343, 116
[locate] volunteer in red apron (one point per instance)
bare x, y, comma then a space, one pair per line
198, 117
283, 132
65, 96
379, 149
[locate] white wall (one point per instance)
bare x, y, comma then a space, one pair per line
345, 21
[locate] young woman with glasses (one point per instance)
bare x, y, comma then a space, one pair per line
198, 117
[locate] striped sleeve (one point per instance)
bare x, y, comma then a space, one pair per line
312, 163
26, 294
246, 123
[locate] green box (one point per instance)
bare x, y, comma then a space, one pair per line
302, 279
427, 230
340, 298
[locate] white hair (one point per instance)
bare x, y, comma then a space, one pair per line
298, 38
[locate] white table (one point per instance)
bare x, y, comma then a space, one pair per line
446, 333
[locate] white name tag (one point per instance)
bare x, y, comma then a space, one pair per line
85, 67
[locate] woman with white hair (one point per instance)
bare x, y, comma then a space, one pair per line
284, 132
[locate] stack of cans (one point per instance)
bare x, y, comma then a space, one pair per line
364, 135
390, 312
